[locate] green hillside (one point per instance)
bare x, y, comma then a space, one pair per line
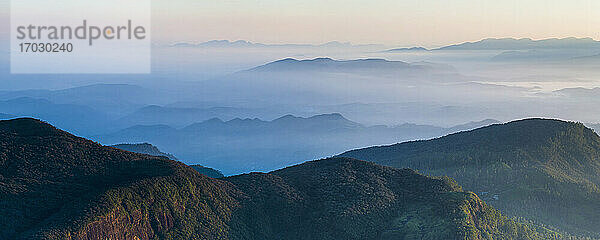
54, 185
343, 198
544, 170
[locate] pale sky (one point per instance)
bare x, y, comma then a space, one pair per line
427, 23
399, 22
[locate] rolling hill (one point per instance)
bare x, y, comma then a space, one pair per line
544, 170
54, 185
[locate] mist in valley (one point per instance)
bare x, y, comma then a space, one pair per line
376, 94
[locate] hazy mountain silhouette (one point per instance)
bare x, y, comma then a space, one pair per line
6, 116
268, 145
88, 191
543, 170
113, 99
80, 119
325, 81
183, 116
525, 44
248, 44
410, 49
346, 66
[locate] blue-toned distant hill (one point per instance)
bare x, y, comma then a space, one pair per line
543, 170
183, 116
350, 66
112, 99
268, 145
327, 81
248, 44
526, 44
78, 118
6, 116
410, 49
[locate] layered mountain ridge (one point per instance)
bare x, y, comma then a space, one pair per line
54, 185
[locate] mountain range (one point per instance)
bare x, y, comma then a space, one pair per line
269, 145
409, 49
484, 44
54, 185
544, 170
526, 44
248, 44
360, 66
123, 97
327, 81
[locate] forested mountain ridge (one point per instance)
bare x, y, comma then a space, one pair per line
54, 185
544, 170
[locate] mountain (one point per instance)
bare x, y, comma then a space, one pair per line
6, 116
579, 93
114, 99
331, 65
596, 127
248, 44
269, 145
78, 118
327, 81
411, 49
144, 148
472, 125
54, 185
183, 116
208, 171
540, 169
541, 55
342, 198
526, 44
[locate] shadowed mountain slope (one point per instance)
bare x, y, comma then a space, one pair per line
544, 170
54, 185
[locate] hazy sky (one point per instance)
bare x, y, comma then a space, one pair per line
426, 22
392, 22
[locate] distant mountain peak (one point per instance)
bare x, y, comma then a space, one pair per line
525, 44
408, 49
329, 64
330, 116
